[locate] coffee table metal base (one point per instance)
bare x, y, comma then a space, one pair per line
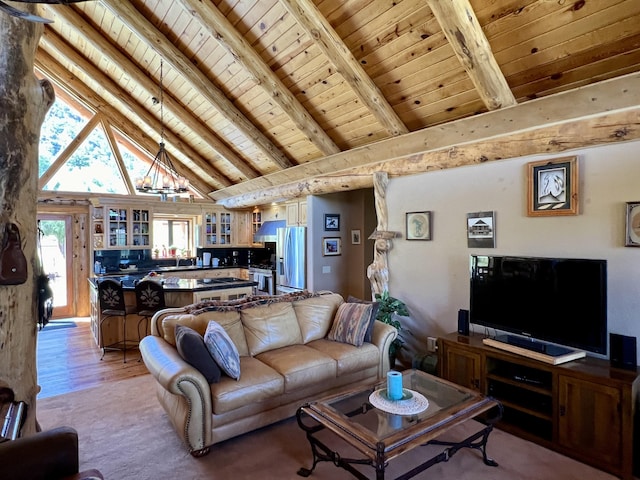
322, 453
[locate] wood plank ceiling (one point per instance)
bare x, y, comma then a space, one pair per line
262, 96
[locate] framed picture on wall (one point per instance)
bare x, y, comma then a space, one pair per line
331, 246
418, 225
481, 230
331, 222
552, 187
355, 237
632, 234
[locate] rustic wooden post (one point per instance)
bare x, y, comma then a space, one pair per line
378, 271
24, 101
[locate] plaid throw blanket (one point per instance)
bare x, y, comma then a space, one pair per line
246, 302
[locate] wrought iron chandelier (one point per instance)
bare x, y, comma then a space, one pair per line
162, 177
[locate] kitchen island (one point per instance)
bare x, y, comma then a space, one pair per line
178, 291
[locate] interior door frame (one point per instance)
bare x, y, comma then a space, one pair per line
68, 310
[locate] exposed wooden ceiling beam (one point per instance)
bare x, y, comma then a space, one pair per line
508, 127
156, 40
133, 71
462, 29
174, 144
604, 129
51, 69
228, 37
320, 30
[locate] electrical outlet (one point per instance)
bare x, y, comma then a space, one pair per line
432, 344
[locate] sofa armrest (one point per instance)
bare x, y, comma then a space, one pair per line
383, 335
179, 378
49, 454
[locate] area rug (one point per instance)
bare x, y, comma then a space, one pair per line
125, 434
58, 324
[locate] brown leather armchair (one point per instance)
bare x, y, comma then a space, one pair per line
50, 455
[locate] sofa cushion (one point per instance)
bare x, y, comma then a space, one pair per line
315, 315
374, 313
300, 366
230, 321
192, 349
348, 358
222, 349
258, 383
169, 326
350, 323
270, 326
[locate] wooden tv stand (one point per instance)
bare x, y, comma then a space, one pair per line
584, 409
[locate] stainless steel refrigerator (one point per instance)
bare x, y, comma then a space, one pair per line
291, 269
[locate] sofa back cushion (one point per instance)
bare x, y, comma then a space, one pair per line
315, 315
270, 326
230, 321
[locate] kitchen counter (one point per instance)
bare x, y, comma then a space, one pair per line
178, 293
181, 284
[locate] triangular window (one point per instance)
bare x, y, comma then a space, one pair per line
91, 168
61, 125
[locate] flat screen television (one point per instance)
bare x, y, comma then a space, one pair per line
558, 300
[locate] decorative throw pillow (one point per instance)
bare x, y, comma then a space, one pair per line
350, 323
374, 313
222, 349
192, 349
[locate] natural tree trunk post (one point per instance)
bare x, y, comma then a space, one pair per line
24, 101
378, 271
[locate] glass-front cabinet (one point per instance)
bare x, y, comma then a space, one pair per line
121, 227
217, 228
141, 227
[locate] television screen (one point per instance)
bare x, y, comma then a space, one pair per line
559, 300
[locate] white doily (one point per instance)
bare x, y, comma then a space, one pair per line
416, 404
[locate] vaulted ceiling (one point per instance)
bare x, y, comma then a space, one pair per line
270, 98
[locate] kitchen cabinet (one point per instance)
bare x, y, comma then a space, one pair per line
256, 222
584, 409
296, 213
242, 228
217, 228
120, 226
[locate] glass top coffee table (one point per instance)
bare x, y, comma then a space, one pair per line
381, 435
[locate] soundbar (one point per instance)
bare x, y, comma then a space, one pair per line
542, 351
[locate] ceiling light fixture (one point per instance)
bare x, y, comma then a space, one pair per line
162, 177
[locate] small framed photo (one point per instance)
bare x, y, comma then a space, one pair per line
481, 230
418, 225
552, 187
331, 222
355, 237
331, 246
632, 236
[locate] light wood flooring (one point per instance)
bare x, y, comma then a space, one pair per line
69, 359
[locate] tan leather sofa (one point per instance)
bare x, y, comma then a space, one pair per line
283, 362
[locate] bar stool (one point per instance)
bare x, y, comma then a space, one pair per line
112, 306
149, 299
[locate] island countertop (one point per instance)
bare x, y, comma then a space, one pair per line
176, 284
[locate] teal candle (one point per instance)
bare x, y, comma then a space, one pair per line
394, 385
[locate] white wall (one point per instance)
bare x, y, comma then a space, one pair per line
432, 277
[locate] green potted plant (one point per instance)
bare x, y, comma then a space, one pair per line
388, 306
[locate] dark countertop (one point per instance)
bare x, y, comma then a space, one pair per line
182, 284
181, 268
